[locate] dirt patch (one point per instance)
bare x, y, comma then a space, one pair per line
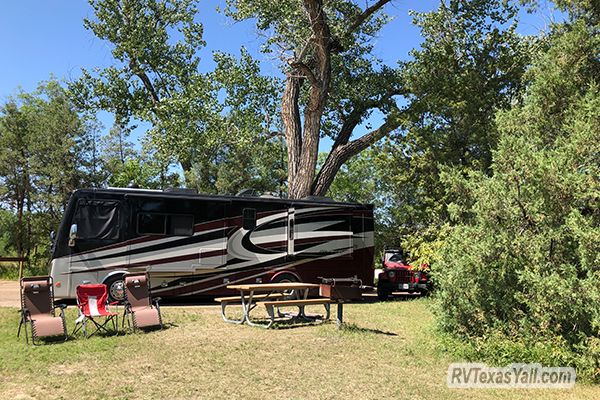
9, 294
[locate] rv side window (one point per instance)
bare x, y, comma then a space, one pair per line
152, 224
163, 224
180, 225
97, 220
249, 219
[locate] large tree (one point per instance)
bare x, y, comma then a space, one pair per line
332, 80
202, 121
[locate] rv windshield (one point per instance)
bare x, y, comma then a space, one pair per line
97, 219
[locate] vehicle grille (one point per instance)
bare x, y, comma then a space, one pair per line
403, 276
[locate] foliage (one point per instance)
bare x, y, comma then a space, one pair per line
357, 179
46, 152
527, 253
470, 64
249, 152
8, 239
203, 121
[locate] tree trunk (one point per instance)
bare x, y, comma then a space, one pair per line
304, 145
303, 142
290, 115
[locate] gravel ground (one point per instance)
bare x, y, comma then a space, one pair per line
9, 294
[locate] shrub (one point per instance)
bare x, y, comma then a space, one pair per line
519, 272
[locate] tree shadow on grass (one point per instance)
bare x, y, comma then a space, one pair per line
353, 328
294, 323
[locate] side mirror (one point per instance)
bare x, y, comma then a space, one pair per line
72, 235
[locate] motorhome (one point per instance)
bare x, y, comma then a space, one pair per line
195, 245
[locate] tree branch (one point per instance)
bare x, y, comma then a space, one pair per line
366, 14
306, 72
290, 114
355, 116
317, 98
339, 155
139, 72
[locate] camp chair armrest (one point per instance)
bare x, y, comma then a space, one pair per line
23, 311
62, 308
113, 303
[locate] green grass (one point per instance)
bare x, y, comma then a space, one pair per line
386, 350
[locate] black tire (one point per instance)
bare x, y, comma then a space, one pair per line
116, 288
382, 293
426, 292
285, 278
383, 296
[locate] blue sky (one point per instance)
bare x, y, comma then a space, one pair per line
44, 38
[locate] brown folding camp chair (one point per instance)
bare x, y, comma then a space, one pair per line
139, 310
38, 310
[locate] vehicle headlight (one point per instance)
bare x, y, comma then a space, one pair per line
391, 274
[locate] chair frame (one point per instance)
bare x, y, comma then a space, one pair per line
129, 314
26, 314
83, 319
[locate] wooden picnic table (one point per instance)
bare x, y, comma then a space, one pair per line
266, 287
271, 295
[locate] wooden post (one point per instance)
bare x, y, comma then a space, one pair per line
20, 269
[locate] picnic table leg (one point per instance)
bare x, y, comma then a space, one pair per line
248, 307
271, 311
224, 305
340, 315
304, 296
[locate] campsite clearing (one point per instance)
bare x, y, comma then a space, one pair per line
386, 351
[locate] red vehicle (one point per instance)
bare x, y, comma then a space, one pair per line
398, 276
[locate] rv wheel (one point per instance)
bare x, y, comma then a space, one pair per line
116, 288
286, 278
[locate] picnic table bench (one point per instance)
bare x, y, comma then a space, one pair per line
270, 306
225, 301
273, 296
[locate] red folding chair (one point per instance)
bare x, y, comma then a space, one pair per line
92, 301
